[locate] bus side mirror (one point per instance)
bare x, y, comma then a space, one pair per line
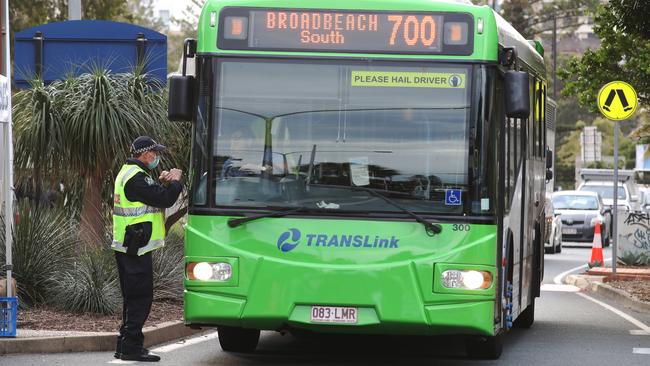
181, 98
549, 159
181, 88
549, 174
517, 90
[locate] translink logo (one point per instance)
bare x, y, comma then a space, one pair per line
288, 240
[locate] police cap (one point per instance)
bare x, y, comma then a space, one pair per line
145, 143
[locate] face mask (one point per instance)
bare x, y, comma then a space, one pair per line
154, 163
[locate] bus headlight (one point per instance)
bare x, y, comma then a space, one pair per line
470, 280
204, 271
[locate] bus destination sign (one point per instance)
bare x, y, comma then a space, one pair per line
345, 31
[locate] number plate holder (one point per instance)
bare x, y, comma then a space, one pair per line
569, 231
334, 314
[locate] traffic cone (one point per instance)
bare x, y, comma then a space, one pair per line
597, 249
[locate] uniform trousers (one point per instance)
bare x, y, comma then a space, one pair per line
136, 283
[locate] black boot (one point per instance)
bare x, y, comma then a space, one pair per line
118, 347
143, 356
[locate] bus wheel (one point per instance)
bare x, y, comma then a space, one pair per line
235, 339
485, 347
527, 317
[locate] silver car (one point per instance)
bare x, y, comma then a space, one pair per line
580, 211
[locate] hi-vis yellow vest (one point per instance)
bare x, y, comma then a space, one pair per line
127, 213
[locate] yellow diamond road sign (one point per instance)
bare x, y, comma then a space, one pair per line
617, 100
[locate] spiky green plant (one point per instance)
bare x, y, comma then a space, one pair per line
43, 248
91, 285
634, 259
80, 130
168, 268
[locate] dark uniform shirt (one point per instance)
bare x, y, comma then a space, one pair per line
147, 191
142, 188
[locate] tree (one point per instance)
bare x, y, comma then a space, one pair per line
623, 55
141, 12
79, 130
533, 17
188, 23
28, 13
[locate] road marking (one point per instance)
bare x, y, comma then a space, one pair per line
550, 287
638, 332
174, 346
559, 278
185, 343
641, 351
614, 310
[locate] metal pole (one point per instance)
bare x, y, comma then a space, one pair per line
74, 10
554, 57
9, 177
615, 205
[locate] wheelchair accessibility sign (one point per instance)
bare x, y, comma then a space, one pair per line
453, 197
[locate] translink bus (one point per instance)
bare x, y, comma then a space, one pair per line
370, 167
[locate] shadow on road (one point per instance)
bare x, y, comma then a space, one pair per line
356, 350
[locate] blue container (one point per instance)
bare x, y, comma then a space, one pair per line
8, 316
75, 47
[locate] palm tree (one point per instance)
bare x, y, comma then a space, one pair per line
82, 128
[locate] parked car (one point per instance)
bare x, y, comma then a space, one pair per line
606, 192
602, 181
579, 212
553, 237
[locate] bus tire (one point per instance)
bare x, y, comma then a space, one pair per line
489, 348
526, 319
236, 339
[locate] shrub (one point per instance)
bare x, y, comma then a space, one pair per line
43, 247
634, 259
91, 285
168, 267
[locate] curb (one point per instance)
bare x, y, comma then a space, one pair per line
595, 284
102, 342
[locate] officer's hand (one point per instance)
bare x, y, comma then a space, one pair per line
164, 176
175, 174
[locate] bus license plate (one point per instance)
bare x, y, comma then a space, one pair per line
333, 314
569, 231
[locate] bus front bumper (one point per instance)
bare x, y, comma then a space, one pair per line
396, 300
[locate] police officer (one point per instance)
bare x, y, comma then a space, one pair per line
138, 229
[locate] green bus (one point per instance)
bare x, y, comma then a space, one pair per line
370, 167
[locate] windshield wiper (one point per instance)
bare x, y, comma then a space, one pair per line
243, 220
430, 227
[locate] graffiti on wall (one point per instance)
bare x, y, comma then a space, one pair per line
633, 233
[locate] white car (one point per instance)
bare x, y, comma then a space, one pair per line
624, 200
553, 235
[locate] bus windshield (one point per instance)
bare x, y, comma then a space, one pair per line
305, 133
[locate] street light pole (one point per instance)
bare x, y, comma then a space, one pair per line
8, 146
74, 10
